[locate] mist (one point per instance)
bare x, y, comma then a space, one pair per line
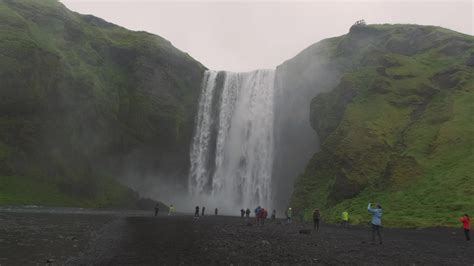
244, 35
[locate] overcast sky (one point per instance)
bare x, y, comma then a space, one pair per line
245, 35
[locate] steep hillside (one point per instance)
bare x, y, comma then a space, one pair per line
297, 82
83, 101
397, 128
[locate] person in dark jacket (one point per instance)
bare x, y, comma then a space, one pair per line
202, 212
157, 209
196, 212
216, 211
247, 213
316, 218
242, 213
274, 213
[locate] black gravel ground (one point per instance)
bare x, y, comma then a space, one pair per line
118, 238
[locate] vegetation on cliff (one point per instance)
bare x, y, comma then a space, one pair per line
397, 128
83, 101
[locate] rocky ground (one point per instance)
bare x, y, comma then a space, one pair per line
135, 238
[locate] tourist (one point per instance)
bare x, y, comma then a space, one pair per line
242, 212
376, 221
196, 212
345, 219
316, 218
216, 211
274, 214
466, 221
203, 209
263, 215
157, 209
171, 210
301, 214
257, 215
257, 210
247, 213
288, 215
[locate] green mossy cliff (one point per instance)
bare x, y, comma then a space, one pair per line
83, 101
396, 128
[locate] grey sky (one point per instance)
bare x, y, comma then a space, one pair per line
242, 36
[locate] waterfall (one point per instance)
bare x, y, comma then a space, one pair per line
232, 148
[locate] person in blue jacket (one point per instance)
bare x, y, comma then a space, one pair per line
376, 221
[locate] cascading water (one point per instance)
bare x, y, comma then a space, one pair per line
232, 149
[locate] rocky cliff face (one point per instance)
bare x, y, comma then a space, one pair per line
297, 82
396, 127
82, 99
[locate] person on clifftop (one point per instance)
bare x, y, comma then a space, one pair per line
466, 222
376, 221
316, 218
157, 209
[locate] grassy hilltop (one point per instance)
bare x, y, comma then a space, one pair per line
83, 101
397, 127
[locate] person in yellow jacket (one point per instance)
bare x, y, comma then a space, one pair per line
171, 210
345, 218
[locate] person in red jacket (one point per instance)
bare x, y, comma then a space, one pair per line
264, 216
261, 216
466, 221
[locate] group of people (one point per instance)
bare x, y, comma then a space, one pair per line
261, 214
196, 212
376, 221
245, 213
171, 209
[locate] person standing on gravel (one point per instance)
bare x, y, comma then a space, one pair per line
289, 214
242, 213
316, 218
345, 219
247, 213
257, 210
203, 209
157, 209
171, 210
196, 213
274, 213
263, 215
216, 211
466, 221
257, 214
376, 221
